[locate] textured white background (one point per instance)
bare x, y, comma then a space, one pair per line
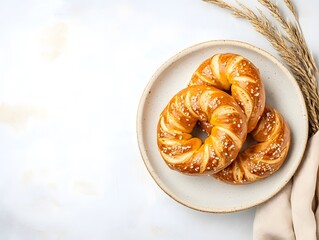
72, 73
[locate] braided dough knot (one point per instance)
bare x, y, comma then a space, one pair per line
187, 154
235, 73
264, 158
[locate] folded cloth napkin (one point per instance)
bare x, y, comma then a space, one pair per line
294, 212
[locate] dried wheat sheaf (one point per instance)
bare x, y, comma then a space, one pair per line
287, 39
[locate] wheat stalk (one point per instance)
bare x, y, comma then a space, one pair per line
299, 32
295, 37
290, 44
291, 8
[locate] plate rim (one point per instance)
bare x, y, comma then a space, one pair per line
174, 58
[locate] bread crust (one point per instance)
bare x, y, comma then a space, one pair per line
234, 73
187, 154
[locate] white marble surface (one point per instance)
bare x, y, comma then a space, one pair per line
72, 73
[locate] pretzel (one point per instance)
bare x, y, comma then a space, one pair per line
236, 73
226, 71
260, 160
187, 154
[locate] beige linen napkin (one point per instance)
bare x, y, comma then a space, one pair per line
293, 213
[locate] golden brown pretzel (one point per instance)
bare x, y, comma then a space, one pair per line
262, 159
187, 154
234, 72
223, 71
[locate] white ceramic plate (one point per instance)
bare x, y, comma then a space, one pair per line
205, 193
